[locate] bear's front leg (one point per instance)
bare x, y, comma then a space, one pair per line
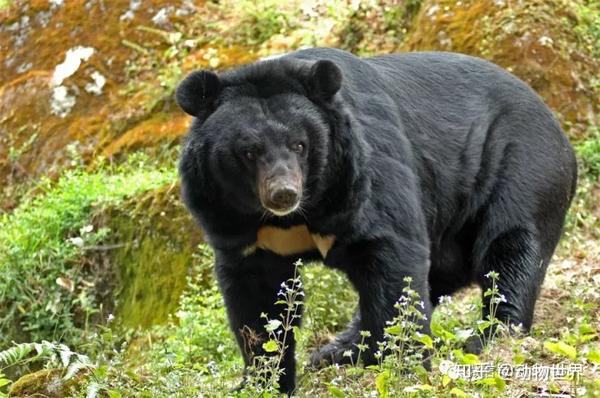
378, 269
250, 286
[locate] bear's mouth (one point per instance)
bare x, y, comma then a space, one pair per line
285, 211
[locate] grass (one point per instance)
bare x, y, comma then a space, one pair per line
46, 291
195, 352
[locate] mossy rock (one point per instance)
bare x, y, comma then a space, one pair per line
153, 240
135, 109
543, 42
47, 383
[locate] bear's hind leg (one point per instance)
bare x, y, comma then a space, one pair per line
514, 256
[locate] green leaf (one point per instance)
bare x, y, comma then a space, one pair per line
519, 359
336, 392
594, 357
4, 382
495, 381
421, 373
500, 382
113, 394
439, 331
394, 330
100, 372
466, 359
561, 348
458, 392
381, 383
483, 325
272, 325
425, 340
270, 346
584, 338
15, 354
586, 328
446, 380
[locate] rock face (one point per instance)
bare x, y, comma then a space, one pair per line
540, 41
53, 111
68, 75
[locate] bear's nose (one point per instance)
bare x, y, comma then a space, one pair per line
284, 197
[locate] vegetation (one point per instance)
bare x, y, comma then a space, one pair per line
47, 287
106, 289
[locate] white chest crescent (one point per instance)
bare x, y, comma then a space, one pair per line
290, 241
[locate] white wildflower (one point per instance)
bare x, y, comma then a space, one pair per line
86, 229
77, 241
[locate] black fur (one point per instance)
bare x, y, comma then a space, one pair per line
437, 166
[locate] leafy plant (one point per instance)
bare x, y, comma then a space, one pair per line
259, 20
53, 354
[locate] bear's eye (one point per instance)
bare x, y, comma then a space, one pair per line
249, 153
298, 147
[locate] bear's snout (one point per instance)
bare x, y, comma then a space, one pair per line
281, 195
284, 197
280, 186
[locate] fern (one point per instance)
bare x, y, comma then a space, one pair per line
73, 361
92, 390
82, 362
15, 354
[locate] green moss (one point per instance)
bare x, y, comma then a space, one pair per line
153, 277
43, 383
550, 45
155, 239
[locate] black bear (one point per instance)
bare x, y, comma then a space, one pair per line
436, 166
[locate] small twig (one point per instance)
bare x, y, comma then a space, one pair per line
134, 46
155, 31
105, 247
169, 37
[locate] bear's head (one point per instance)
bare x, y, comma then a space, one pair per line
261, 133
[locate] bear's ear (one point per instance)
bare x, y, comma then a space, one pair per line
324, 80
197, 92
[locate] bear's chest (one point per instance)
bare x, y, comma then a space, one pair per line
291, 241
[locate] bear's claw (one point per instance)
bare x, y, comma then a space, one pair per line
334, 353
